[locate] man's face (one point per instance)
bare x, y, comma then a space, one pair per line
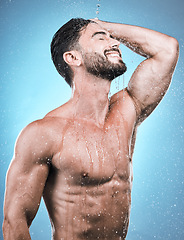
101, 53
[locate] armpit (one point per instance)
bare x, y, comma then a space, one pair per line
136, 104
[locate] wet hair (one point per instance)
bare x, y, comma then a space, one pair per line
66, 39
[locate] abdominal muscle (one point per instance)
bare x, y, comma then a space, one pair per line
90, 211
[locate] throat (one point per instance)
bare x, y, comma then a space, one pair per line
92, 107
93, 114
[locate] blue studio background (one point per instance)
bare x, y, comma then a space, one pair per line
30, 87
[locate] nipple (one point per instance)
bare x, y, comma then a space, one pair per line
85, 175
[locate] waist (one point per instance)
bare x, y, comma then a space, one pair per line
91, 213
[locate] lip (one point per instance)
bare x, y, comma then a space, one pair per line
112, 52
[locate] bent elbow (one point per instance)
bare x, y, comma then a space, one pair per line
173, 49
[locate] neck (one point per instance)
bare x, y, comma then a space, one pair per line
90, 98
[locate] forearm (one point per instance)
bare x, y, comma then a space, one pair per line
15, 229
143, 41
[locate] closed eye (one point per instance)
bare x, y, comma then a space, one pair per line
101, 38
101, 35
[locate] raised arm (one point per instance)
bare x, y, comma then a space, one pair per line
25, 183
152, 77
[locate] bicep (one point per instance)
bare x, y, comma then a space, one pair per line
151, 80
24, 187
26, 177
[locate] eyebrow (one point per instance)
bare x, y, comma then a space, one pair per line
96, 33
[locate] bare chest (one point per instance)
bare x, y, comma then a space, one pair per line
92, 155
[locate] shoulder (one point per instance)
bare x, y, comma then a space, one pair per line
36, 130
31, 139
44, 135
45, 127
37, 139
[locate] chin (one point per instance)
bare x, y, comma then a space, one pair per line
105, 68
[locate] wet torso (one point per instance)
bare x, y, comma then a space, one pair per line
88, 191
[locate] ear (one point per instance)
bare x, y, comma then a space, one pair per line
72, 58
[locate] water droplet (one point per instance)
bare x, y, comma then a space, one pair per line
109, 95
123, 88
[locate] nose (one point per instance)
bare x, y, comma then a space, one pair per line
114, 43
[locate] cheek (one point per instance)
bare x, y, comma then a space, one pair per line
94, 47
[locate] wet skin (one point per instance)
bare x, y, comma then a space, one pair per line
88, 190
79, 157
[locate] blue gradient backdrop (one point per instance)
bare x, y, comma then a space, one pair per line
30, 87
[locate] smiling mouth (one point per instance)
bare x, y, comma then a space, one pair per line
112, 52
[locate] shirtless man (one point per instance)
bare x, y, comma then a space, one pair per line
79, 156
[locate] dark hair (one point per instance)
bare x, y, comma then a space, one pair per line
66, 39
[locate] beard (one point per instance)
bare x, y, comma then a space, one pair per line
101, 67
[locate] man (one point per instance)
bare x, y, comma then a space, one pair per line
79, 156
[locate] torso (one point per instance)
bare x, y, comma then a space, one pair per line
88, 190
